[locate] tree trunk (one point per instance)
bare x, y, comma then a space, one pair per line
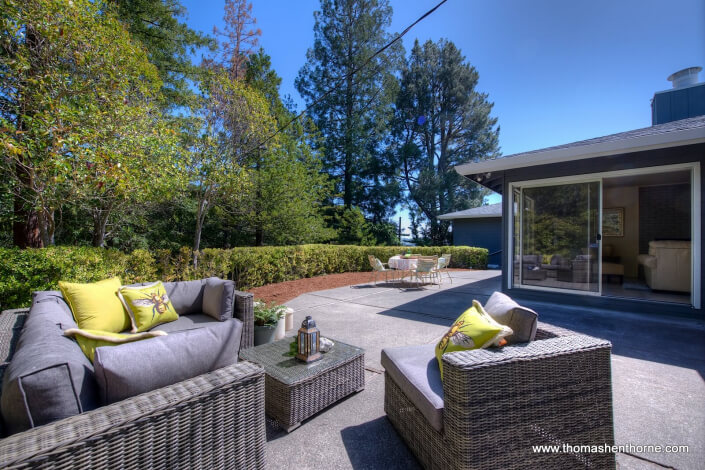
200, 218
46, 226
348, 164
100, 222
26, 232
259, 237
25, 227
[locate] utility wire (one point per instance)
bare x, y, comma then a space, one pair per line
353, 72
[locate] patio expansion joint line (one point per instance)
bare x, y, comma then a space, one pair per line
647, 460
374, 370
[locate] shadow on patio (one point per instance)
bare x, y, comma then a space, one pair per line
657, 338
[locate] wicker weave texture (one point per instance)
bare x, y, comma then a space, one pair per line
11, 322
291, 404
296, 391
245, 312
500, 403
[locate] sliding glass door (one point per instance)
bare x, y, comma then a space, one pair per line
557, 236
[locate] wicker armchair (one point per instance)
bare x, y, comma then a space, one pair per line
215, 420
498, 403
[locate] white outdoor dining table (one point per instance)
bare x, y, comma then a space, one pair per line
403, 264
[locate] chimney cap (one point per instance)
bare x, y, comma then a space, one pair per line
685, 77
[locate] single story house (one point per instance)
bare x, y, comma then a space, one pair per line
605, 221
481, 227
614, 221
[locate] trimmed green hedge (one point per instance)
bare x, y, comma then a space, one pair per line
25, 271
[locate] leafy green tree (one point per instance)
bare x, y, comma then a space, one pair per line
78, 112
227, 125
158, 25
441, 121
354, 116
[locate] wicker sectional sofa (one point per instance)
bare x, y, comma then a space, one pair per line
213, 420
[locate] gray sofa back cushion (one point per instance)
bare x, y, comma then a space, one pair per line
218, 298
523, 321
186, 296
133, 368
49, 377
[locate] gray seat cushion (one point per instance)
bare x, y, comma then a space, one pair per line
218, 298
415, 370
49, 377
186, 322
186, 296
523, 321
130, 369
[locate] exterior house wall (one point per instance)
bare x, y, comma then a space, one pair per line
628, 161
485, 232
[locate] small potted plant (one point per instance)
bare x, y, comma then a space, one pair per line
266, 319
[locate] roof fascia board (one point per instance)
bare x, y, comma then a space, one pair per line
580, 152
482, 216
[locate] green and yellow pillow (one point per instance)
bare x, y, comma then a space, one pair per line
96, 306
148, 306
89, 340
474, 329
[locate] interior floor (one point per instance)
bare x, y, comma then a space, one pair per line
630, 288
637, 289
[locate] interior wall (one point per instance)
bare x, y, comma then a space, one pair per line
626, 247
665, 213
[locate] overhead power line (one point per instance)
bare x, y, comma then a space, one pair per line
353, 72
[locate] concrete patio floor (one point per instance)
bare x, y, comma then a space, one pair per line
658, 370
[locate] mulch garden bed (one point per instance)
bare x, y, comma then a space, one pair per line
284, 291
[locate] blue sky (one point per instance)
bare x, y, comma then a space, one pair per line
558, 71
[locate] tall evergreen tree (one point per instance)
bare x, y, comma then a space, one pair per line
240, 37
284, 206
441, 121
354, 117
158, 25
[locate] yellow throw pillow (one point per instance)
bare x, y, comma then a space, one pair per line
96, 306
89, 340
148, 306
474, 329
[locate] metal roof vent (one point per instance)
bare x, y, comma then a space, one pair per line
685, 77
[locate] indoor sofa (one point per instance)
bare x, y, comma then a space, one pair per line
667, 266
58, 415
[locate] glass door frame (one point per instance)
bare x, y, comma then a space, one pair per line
695, 218
520, 186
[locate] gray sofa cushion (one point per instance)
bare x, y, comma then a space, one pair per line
186, 322
49, 377
415, 370
186, 296
218, 298
523, 321
130, 369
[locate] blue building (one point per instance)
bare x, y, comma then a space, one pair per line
480, 227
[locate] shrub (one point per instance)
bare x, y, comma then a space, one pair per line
25, 271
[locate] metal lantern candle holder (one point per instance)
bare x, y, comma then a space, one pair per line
309, 341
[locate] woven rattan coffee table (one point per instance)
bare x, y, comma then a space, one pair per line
295, 391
